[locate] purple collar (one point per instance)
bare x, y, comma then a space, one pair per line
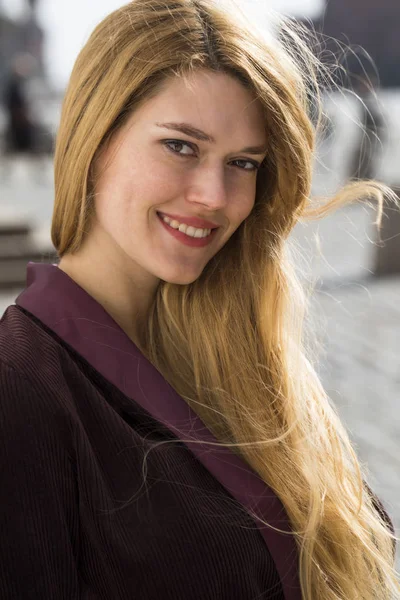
63, 306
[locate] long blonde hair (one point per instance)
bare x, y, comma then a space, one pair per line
232, 343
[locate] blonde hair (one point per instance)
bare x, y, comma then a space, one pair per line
232, 343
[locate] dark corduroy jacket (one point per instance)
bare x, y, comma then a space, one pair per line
93, 506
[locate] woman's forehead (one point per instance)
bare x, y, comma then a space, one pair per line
215, 105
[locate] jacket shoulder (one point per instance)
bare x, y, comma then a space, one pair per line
27, 348
32, 361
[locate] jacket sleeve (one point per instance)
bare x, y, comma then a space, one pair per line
38, 494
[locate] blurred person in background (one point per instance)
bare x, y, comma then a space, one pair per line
165, 431
19, 134
24, 135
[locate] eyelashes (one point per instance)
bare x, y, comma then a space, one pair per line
168, 143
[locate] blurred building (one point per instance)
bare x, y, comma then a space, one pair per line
367, 26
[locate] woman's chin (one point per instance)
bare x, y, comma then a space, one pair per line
181, 278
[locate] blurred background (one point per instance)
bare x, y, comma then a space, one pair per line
355, 310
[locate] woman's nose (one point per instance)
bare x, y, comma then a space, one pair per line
210, 188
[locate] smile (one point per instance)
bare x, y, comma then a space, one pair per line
189, 236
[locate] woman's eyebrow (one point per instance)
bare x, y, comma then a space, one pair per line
205, 137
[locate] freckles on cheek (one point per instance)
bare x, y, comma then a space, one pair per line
241, 215
243, 204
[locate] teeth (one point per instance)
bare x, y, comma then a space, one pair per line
187, 229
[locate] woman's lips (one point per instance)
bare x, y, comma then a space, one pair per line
187, 240
193, 221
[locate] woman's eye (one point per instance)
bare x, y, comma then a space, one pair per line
168, 144
254, 166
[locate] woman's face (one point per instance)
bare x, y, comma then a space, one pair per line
155, 167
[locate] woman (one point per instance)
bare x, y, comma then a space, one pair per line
19, 127
157, 443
